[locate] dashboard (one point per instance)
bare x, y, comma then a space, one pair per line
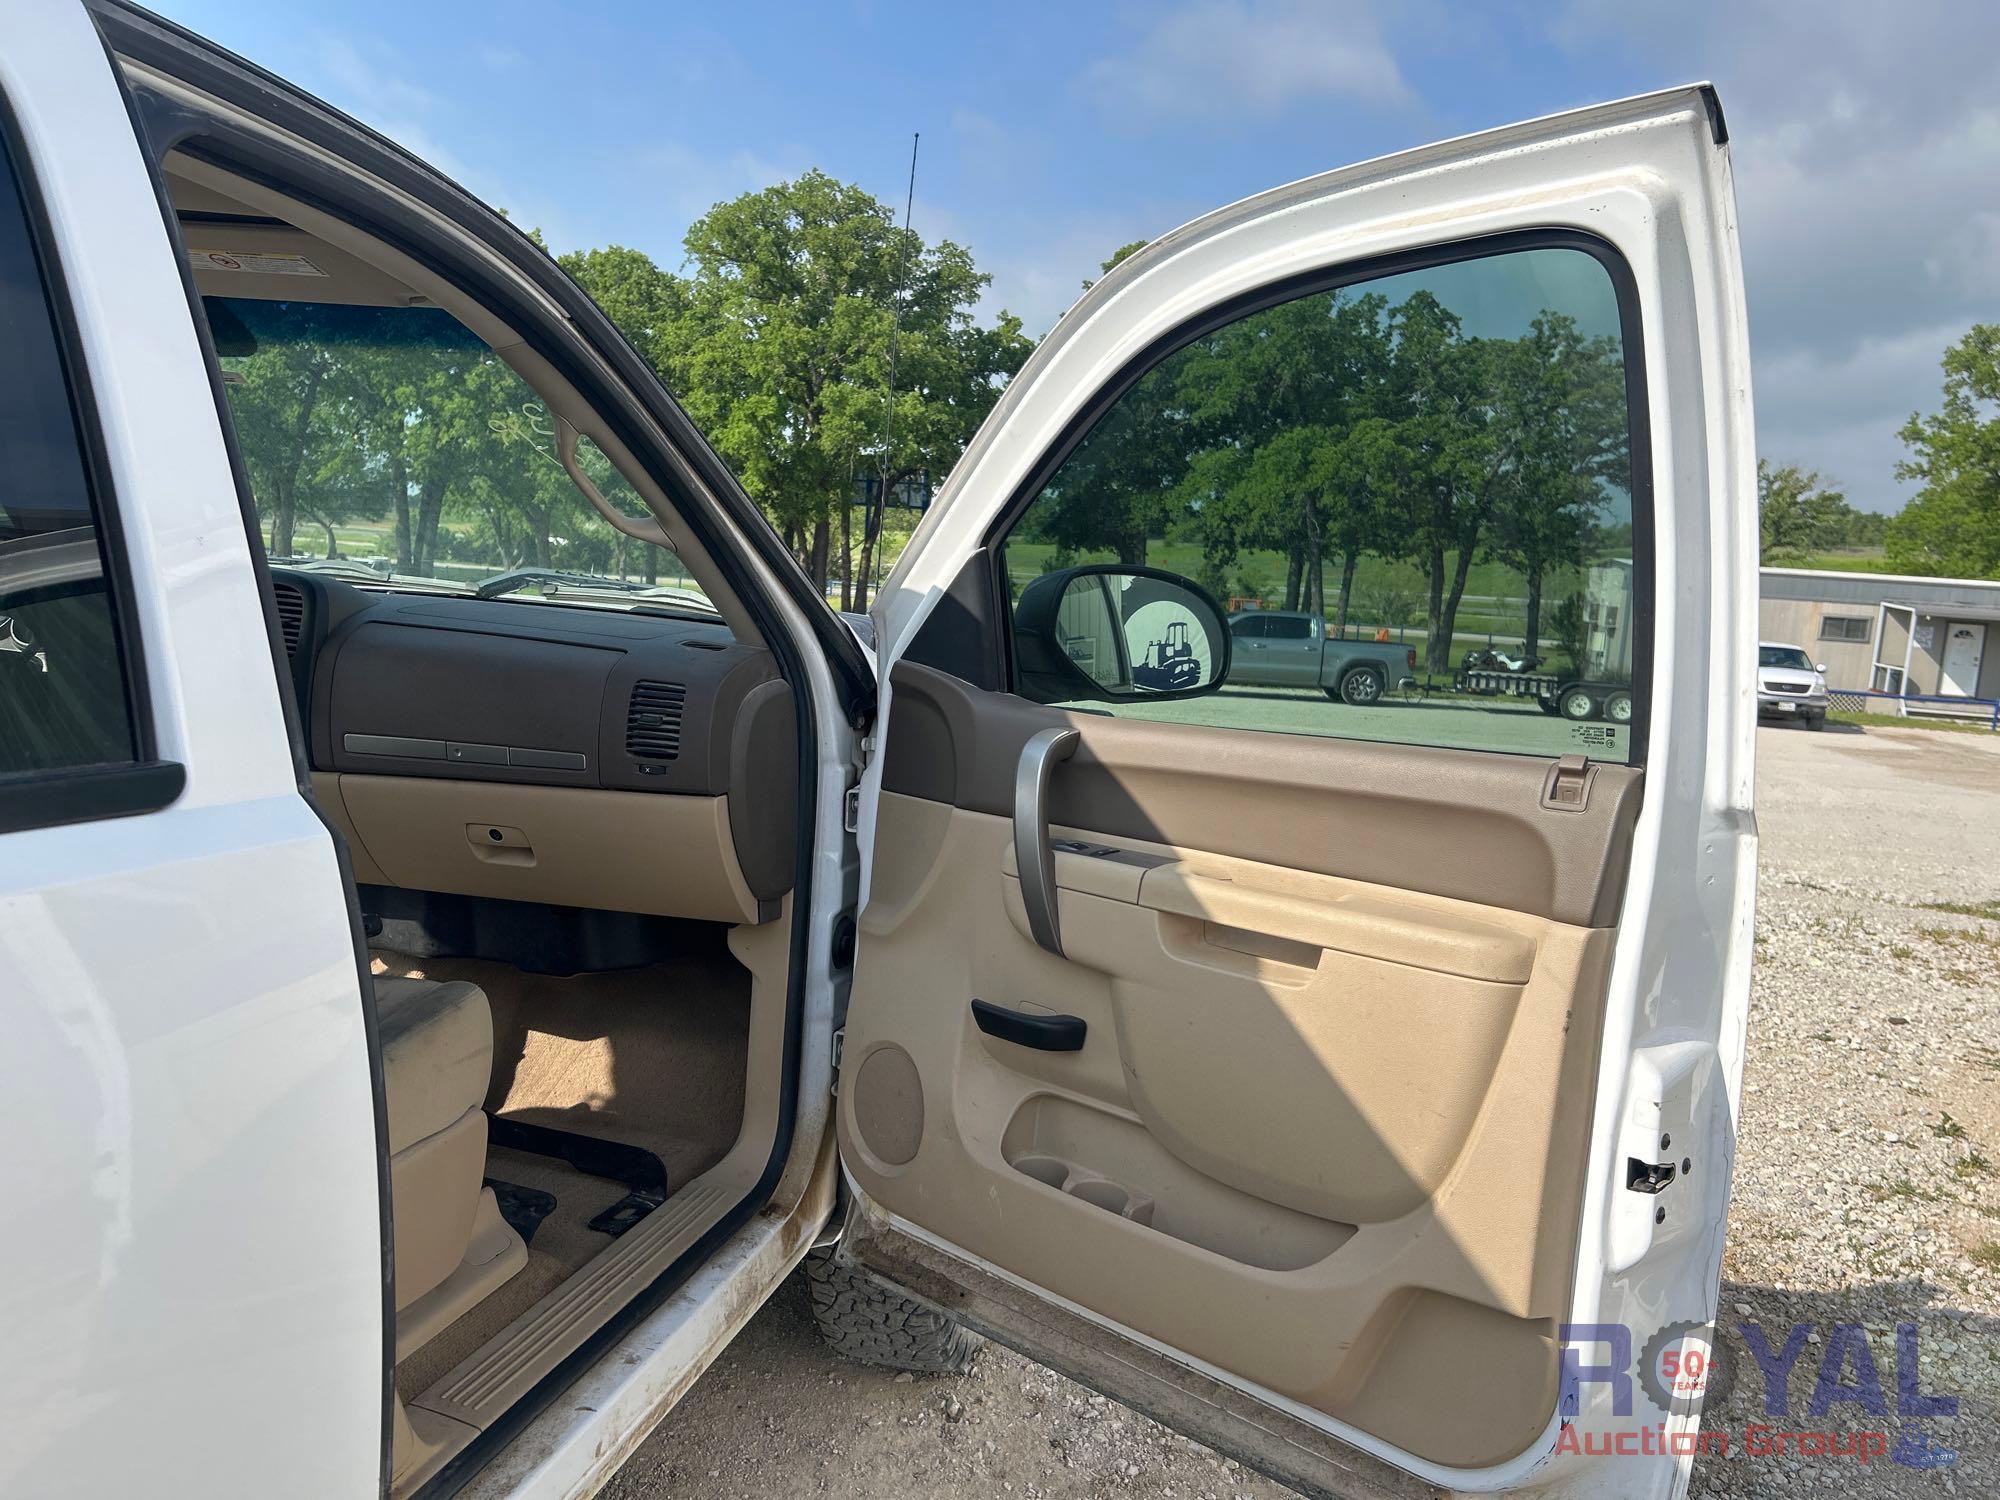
531, 751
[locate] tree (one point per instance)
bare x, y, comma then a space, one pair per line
1951, 527
1797, 514
1571, 628
779, 350
1283, 410
1560, 403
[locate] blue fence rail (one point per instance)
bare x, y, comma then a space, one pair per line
1862, 701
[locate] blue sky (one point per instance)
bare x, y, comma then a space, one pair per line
1866, 137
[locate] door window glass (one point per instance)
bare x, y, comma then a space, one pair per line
1437, 464
63, 699
390, 447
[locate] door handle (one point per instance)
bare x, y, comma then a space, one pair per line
1033, 857
1025, 1029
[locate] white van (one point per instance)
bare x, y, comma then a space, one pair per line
440, 1007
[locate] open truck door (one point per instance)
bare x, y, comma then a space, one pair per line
1352, 1088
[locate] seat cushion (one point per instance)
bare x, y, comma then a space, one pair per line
437, 1053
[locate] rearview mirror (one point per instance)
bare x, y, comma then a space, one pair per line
1118, 634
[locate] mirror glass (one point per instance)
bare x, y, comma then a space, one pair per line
1114, 633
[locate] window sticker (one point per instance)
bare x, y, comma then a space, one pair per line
258, 262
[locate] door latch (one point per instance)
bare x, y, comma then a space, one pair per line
1649, 1176
850, 816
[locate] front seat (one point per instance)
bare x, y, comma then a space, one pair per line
452, 1246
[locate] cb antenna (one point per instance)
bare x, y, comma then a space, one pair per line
878, 510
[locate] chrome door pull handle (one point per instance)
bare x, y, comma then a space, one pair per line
1033, 857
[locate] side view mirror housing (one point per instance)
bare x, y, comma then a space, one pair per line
1820, 667
1113, 633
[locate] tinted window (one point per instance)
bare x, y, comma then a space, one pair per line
1784, 656
1438, 464
1250, 627
63, 700
390, 446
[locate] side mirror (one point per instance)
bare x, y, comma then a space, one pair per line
1118, 634
1820, 667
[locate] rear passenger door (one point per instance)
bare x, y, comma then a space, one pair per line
1366, 1080
186, 1069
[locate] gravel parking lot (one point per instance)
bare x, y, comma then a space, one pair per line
1867, 1192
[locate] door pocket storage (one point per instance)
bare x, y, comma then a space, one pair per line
1114, 1164
1110, 1196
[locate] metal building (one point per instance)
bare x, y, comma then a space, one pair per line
1889, 633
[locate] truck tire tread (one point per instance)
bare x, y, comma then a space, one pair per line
871, 1322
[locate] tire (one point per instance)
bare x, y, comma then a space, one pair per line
1618, 708
1578, 703
1361, 687
870, 1322
1816, 722
1549, 706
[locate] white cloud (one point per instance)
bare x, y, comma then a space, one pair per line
1222, 58
1866, 143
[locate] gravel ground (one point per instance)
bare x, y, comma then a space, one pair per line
1867, 1192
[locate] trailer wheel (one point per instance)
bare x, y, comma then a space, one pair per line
1578, 703
1618, 707
1548, 706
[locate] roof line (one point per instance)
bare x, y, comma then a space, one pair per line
1977, 583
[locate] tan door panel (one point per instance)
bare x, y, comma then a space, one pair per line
1467, 824
1319, 1128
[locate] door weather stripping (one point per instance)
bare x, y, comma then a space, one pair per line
1032, 855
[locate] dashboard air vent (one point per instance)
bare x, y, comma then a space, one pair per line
653, 723
291, 602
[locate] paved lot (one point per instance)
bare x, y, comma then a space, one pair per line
1866, 1191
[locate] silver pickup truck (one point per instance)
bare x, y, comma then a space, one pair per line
1287, 648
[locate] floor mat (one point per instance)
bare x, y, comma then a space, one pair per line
652, 1057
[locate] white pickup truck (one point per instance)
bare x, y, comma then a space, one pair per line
435, 1021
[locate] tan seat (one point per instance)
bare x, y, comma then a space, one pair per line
452, 1247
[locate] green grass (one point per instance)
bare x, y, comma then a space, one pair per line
1987, 911
1870, 560
1897, 721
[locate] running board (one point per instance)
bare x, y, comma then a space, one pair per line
510, 1364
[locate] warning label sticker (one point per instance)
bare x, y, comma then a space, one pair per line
253, 261
1596, 736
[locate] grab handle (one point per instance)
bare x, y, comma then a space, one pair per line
1033, 858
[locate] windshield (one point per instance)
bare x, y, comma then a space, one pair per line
392, 448
1783, 656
